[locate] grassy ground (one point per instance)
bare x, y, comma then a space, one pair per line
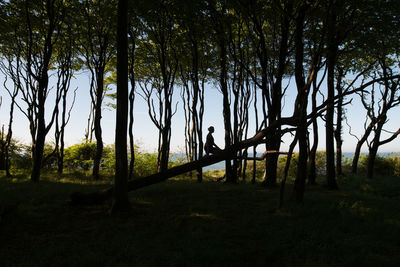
183, 223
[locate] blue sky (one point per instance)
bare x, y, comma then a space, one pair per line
146, 133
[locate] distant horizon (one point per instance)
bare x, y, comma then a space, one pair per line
146, 134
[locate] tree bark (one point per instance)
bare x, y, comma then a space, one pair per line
312, 176
97, 123
339, 120
230, 175
332, 48
271, 162
300, 110
120, 197
357, 151
132, 39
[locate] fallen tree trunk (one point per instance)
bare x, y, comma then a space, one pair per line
98, 197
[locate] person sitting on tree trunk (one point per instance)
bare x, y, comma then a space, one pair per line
210, 147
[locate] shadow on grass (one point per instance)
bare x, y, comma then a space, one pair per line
210, 224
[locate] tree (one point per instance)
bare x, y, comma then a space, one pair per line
193, 74
161, 62
10, 66
133, 33
120, 198
375, 40
35, 42
66, 64
377, 109
304, 84
219, 18
269, 27
331, 59
96, 26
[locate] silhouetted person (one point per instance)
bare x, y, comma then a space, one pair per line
210, 147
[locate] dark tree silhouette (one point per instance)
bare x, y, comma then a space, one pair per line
120, 197
97, 47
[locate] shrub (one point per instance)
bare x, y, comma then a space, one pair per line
108, 159
20, 157
80, 156
145, 163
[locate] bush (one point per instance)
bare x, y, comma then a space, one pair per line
145, 163
80, 156
20, 157
108, 159
385, 164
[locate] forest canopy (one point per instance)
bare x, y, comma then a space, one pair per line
248, 50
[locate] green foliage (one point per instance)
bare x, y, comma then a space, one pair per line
145, 163
20, 157
385, 164
80, 156
108, 159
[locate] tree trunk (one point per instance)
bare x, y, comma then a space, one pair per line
9, 136
200, 133
271, 160
300, 111
299, 183
371, 161
230, 175
130, 132
331, 63
41, 129
339, 119
37, 153
97, 124
357, 151
131, 104
120, 198
164, 148
274, 141
312, 176
285, 172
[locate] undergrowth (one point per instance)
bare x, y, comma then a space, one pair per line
185, 223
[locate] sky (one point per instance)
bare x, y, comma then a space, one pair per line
146, 134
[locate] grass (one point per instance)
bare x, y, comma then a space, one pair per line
183, 223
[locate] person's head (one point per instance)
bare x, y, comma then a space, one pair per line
211, 129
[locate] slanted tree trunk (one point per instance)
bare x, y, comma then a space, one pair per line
227, 154
357, 151
285, 172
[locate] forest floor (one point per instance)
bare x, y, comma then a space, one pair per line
184, 223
